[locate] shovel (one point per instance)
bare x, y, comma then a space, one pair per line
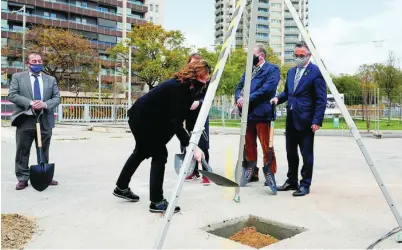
42, 174
268, 174
215, 178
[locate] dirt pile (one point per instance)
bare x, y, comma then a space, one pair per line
16, 231
250, 237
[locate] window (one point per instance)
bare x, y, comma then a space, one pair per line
52, 15
278, 5
262, 26
262, 18
262, 9
84, 4
263, 1
276, 21
276, 29
156, 8
276, 13
151, 7
151, 19
264, 35
276, 38
45, 13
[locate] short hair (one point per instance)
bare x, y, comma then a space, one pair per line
261, 49
302, 44
32, 53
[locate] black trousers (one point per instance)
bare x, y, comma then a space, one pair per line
305, 141
25, 135
159, 159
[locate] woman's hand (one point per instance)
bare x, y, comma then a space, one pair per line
198, 154
195, 105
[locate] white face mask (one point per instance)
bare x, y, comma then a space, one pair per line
301, 62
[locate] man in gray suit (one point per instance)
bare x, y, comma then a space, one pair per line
32, 90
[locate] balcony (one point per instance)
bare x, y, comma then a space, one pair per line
62, 23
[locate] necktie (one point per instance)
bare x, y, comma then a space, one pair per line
37, 95
297, 78
255, 71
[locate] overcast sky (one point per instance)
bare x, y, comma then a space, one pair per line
342, 30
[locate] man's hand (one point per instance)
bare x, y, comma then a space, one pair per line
315, 127
274, 100
240, 102
195, 105
198, 154
38, 105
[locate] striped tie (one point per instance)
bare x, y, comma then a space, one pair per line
297, 78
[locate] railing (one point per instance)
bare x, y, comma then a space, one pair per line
91, 113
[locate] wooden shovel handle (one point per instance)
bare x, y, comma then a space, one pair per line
271, 135
38, 134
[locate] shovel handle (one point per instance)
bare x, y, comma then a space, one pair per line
38, 134
206, 165
271, 134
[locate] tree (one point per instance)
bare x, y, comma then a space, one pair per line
349, 85
234, 68
389, 79
64, 51
284, 72
157, 53
367, 86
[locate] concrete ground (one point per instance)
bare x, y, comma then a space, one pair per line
345, 208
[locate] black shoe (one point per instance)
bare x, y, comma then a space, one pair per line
161, 207
126, 194
302, 191
287, 186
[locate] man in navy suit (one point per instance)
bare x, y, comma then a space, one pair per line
264, 82
306, 96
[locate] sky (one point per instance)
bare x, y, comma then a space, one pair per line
343, 31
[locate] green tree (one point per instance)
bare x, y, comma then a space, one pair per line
157, 53
349, 85
389, 79
234, 68
367, 86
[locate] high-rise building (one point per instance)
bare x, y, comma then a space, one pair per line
275, 25
100, 21
156, 11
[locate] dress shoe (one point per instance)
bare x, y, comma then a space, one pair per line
53, 183
21, 185
287, 186
302, 191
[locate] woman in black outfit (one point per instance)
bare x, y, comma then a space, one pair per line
203, 144
154, 119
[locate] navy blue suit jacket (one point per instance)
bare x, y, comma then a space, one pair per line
308, 102
262, 90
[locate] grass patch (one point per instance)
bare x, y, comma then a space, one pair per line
327, 124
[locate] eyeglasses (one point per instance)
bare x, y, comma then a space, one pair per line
299, 56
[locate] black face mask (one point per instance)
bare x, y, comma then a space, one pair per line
256, 59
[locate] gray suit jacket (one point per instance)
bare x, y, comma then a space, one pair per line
21, 94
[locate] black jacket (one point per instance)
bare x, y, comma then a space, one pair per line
159, 115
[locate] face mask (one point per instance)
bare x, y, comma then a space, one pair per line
301, 62
36, 68
256, 59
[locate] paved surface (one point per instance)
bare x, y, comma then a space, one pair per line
345, 208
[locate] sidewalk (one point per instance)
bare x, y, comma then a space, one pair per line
123, 127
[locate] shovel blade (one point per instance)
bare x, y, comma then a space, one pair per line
178, 162
218, 179
41, 175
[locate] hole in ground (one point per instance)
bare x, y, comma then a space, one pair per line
254, 231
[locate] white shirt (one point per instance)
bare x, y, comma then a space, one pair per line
302, 70
32, 78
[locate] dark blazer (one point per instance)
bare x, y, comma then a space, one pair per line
159, 115
262, 90
309, 100
20, 94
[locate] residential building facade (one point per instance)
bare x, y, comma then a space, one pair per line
156, 12
98, 20
275, 25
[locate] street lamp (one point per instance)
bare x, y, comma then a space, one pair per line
23, 9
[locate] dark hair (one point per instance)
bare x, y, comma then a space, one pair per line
30, 54
261, 49
193, 55
302, 44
